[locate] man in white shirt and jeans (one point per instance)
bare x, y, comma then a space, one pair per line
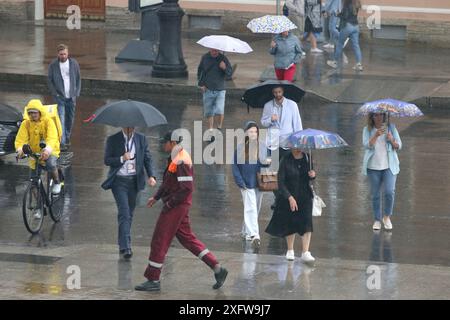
282, 118
64, 82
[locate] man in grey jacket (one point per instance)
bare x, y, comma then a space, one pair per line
64, 82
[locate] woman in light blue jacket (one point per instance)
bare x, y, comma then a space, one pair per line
286, 49
381, 165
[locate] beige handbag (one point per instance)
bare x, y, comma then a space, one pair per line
267, 181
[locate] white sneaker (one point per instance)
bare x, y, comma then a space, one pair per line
307, 257
387, 223
290, 255
329, 46
358, 67
316, 50
376, 225
37, 214
332, 64
303, 54
56, 188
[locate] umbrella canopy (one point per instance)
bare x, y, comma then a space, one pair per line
394, 108
225, 43
315, 139
258, 95
128, 113
271, 24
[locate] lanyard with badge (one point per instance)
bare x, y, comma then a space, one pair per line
130, 165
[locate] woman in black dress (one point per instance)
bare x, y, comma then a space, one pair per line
293, 209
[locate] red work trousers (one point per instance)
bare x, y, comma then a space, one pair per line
283, 74
174, 222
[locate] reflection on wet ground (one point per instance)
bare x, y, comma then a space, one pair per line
421, 219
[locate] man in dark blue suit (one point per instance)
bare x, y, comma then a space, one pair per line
127, 156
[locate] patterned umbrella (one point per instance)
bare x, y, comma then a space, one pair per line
271, 24
225, 43
394, 108
315, 139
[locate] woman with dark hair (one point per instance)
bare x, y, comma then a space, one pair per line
248, 160
313, 23
381, 142
349, 28
293, 208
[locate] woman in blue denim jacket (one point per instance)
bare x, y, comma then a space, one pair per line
248, 160
381, 165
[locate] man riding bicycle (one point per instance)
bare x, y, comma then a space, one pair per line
40, 128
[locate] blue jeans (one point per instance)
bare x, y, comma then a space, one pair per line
125, 193
213, 103
66, 112
352, 32
382, 180
332, 28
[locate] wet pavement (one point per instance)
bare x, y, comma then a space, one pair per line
414, 258
406, 71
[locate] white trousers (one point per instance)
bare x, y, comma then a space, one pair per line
252, 199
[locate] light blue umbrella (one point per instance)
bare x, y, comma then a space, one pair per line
310, 139
392, 107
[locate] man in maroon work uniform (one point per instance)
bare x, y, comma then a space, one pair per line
176, 194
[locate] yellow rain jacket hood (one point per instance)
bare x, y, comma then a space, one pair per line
32, 132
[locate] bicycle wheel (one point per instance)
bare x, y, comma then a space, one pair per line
33, 208
57, 200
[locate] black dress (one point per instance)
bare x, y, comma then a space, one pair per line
293, 180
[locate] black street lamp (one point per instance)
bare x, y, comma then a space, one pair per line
170, 62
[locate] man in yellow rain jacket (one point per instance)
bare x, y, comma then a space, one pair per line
39, 127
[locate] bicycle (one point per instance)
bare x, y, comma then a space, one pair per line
38, 199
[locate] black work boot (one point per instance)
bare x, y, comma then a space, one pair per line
220, 278
149, 286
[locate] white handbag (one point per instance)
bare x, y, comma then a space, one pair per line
318, 204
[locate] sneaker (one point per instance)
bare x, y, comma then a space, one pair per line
316, 50
333, 64
376, 225
149, 286
303, 54
387, 223
329, 46
56, 188
220, 278
290, 255
307, 257
37, 214
256, 243
358, 67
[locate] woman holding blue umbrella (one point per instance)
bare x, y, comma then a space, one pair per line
293, 208
381, 164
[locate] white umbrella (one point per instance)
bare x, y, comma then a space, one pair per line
271, 24
225, 43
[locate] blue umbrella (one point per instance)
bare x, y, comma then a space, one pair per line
315, 139
392, 107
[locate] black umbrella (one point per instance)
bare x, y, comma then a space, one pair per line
128, 113
258, 95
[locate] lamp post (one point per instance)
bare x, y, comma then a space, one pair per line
170, 62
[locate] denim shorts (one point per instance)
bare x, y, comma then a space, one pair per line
213, 103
